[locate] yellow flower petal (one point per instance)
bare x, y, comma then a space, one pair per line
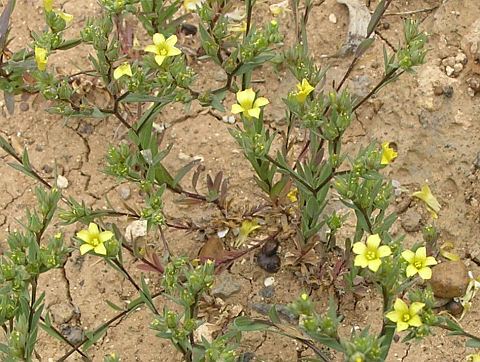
393, 316
411, 271
373, 241
400, 306
415, 321
425, 273
408, 255
388, 153
48, 5
151, 49
359, 248
246, 98
100, 249
85, 248
384, 251
426, 196
66, 17
172, 40
421, 253
401, 326
361, 261
373, 265
430, 261
41, 58
260, 102
415, 308
122, 70
159, 59
172, 51
93, 228
105, 236
254, 112
237, 108
84, 235
158, 39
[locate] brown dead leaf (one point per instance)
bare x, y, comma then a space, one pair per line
212, 249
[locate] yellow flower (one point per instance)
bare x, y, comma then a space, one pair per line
248, 226
94, 239
237, 28
388, 153
192, 5
279, 8
48, 5
163, 48
66, 17
248, 105
292, 195
304, 89
473, 357
419, 262
41, 58
369, 254
426, 196
405, 316
122, 70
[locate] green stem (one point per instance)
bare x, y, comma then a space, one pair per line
106, 324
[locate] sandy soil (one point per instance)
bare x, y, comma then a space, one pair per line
437, 138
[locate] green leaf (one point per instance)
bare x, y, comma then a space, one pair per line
255, 62
377, 14
245, 324
473, 343
114, 306
363, 47
94, 336
9, 102
6, 146
183, 171
273, 315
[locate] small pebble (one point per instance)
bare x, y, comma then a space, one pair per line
267, 292
62, 182
332, 18
457, 68
124, 192
461, 58
188, 29
449, 70
448, 91
47, 169
437, 90
448, 62
269, 281
24, 107
455, 308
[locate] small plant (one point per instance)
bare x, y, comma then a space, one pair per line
298, 183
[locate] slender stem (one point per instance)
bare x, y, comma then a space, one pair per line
392, 73
60, 335
106, 324
132, 281
356, 58
292, 174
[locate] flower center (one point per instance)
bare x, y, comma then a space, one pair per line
418, 264
406, 317
371, 255
94, 241
163, 51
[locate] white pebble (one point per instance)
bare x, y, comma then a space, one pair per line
449, 70
269, 281
332, 18
62, 182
